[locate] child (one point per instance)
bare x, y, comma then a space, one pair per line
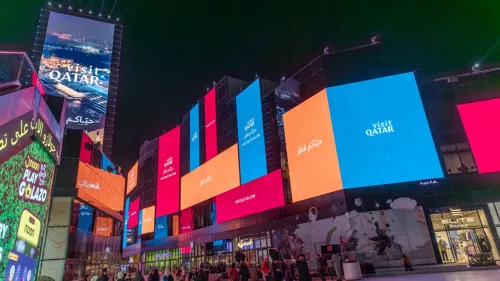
407, 263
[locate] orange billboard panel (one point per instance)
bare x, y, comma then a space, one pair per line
103, 226
310, 145
218, 175
100, 188
132, 177
148, 220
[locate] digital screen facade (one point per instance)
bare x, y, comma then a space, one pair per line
25, 184
100, 187
161, 228
103, 226
86, 149
186, 223
259, 195
194, 134
133, 213
132, 177
381, 132
480, 124
210, 125
76, 64
148, 220
312, 154
85, 218
168, 179
125, 223
214, 177
251, 133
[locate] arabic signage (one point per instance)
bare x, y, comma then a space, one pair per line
161, 228
18, 132
259, 195
186, 223
168, 179
25, 184
194, 136
133, 215
132, 177
312, 155
251, 133
479, 123
148, 220
381, 132
125, 223
85, 218
76, 64
214, 177
103, 226
210, 125
96, 186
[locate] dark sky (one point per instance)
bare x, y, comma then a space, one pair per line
173, 50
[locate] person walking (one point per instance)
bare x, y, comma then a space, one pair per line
254, 272
232, 273
104, 276
138, 276
265, 268
244, 271
119, 276
303, 269
322, 267
337, 262
156, 275
201, 275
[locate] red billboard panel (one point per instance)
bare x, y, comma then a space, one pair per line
259, 195
186, 224
133, 214
210, 125
86, 149
480, 120
168, 180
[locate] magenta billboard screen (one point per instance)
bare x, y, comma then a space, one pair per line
76, 64
168, 180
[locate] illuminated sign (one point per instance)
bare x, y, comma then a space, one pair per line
32, 184
259, 195
186, 224
210, 125
148, 220
96, 186
245, 243
161, 229
194, 136
381, 132
76, 64
214, 177
251, 133
163, 255
132, 177
20, 267
29, 230
168, 179
480, 127
125, 223
311, 150
133, 215
103, 226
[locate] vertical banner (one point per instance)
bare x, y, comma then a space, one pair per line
133, 218
194, 132
186, 220
148, 220
86, 149
210, 125
132, 177
125, 227
168, 180
251, 133
85, 219
140, 224
161, 229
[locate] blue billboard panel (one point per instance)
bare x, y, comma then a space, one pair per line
140, 224
161, 229
194, 135
251, 134
85, 219
125, 227
381, 132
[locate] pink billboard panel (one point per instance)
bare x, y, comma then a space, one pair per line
133, 214
210, 125
259, 195
168, 180
186, 221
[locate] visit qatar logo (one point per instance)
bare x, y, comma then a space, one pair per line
379, 128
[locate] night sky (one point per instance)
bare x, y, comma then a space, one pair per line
173, 50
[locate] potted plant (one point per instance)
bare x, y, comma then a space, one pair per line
352, 269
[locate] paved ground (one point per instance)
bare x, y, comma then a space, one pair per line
474, 275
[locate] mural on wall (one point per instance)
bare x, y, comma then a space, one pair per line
379, 237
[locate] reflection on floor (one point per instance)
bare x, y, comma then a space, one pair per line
476, 275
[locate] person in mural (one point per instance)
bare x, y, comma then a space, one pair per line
265, 268
303, 269
382, 240
322, 267
337, 262
443, 246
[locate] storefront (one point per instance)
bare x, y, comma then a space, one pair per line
163, 259
463, 232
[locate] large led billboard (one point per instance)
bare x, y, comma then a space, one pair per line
381, 132
76, 64
161, 227
186, 220
259, 195
214, 177
101, 188
251, 133
210, 125
148, 220
103, 226
168, 179
194, 137
132, 177
312, 155
125, 223
25, 185
480, 123
133, 213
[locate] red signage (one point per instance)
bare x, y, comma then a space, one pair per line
133, 214
186, 220
86, 149
210, 125
259, 195
35, 81
168, 180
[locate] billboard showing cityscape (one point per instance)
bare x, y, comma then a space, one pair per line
381, 132
76, 64
479, 124
251, 133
